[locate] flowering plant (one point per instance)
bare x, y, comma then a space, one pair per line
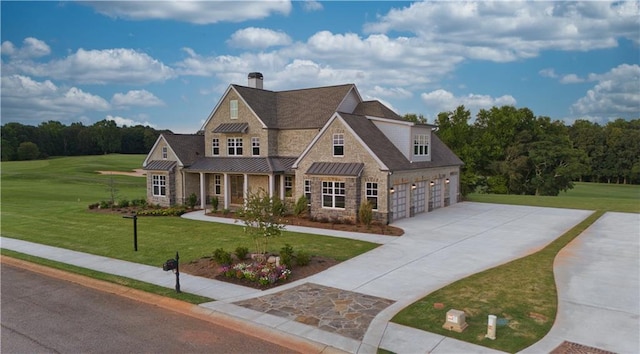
263, 273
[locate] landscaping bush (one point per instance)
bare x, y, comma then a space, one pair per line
176, 211
286, 255
365, 214
303, 258
94, 205
222, 257
214, 204
104, 204
192, 200
241, 252
123, 203
262, 273
301, 206
279, 208
226, 211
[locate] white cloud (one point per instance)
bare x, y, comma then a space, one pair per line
118, 65
506, 31
258, 38
444, 101
571, 79
391, 92
141, 98
120, 121
617, 94
31, 48
311, 5
198, 12
24, 99
549, 72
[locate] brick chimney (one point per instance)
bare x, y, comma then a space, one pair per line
255, 80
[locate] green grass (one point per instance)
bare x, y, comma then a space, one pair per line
47, 202
589, 196
510, 291
131, 283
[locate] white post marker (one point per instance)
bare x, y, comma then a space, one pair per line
491, 327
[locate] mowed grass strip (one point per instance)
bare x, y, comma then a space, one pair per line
589, 196
522, 291
47, 202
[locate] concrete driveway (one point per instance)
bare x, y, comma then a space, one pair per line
598, 278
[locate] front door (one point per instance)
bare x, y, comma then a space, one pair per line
237, 189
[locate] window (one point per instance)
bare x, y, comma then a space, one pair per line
421, 145
164, 152
233, 107
333, 195
217, 184
234, 146
255, 146
372, 194
307, 190
215, 147
338, 144
159, 183
288, 186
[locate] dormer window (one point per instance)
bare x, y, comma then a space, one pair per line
215, 147
164, 152
338, 144
421, 145
233, 108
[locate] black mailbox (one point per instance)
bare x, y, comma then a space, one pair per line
170, 264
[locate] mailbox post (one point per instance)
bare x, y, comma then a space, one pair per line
173, 264
135, 230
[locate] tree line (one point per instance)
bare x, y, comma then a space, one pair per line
508, 150
52, 138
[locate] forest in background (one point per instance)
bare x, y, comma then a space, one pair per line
506, 150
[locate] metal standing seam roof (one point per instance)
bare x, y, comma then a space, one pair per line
243, 164
336, 168
231, 128
160, 165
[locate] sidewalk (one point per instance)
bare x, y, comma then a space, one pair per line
437, 249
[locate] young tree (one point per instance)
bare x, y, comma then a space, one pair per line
261, 219
28, 151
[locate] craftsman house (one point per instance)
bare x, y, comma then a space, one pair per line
325, 143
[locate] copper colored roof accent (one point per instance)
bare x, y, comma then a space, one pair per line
336, 168
231, 128
160, 165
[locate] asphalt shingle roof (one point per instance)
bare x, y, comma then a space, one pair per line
188, 147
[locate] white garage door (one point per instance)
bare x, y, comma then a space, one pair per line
399, 202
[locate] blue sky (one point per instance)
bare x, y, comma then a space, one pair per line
166, 64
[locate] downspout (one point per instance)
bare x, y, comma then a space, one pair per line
389, 197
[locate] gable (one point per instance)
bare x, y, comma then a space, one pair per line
185, 149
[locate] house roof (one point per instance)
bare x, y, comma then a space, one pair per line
295, 109
187, 147
242, 164
376, 109
336, 168
231, 128
389, 154
160, 165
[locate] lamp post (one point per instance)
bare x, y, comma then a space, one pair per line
135, 230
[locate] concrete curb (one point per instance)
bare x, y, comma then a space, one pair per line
262, 332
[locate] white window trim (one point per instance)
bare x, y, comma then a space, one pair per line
421, 141
255, 143
369, 188
217, 184
333, 194
288, 186
215, 143
165, 152
159, 182
233, 109
338, 140
237, 144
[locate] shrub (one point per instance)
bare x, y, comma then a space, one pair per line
226, 211
222, 257
177, 211
365, 214
241, 252
279, 207
192, 200
123, 203
286, 255
214, 204
303, 258
301, 206
104, 204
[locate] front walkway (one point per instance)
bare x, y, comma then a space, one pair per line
437, 248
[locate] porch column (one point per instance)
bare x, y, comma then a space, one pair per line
225, 191
270, 185
281, 187
245, 188
203, 201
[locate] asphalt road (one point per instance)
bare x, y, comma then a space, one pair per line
47, 315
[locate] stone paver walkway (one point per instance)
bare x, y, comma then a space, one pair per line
334, 310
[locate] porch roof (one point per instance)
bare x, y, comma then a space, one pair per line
231, 128
242, 164
336, 168
160, 165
